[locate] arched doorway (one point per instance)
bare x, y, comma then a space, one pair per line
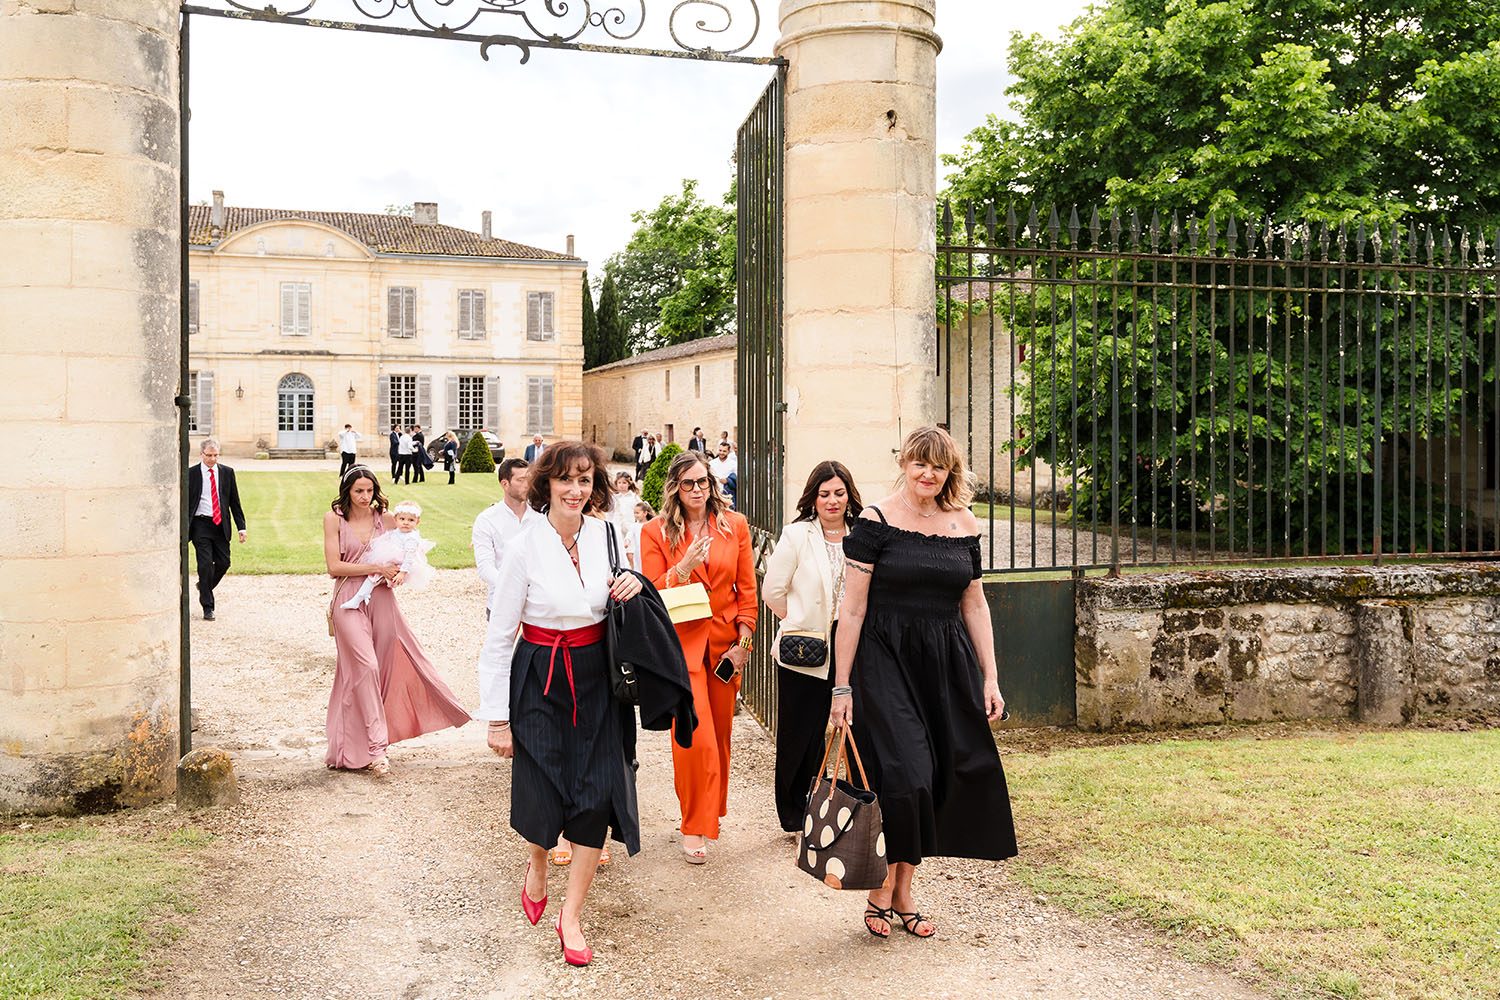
294, 411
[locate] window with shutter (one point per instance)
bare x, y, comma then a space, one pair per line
492, 403
424, 401
471, 314
401, 312
192, 307
540, 310
450, 401
383, 402
539, 405
402, 402
192, 395
470, 402
296, 308
203, 403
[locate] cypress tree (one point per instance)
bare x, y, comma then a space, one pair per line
610, 330
592, 349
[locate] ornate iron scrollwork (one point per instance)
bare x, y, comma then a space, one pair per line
710, 29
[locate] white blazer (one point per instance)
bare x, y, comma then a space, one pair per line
800, 572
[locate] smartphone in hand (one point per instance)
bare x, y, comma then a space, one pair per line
725, 670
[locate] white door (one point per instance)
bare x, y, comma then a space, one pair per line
294, 412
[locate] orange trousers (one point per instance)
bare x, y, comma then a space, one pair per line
701, 773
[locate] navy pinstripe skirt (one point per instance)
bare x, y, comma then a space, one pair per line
567, 779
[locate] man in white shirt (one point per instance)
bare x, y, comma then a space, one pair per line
497, 524
214, 499
348, 445
725, 463
406, 450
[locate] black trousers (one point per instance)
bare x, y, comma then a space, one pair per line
802, 704
395, 466
346, 462
212, 548
403, 468
419, 466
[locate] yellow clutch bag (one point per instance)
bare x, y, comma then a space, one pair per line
687, 603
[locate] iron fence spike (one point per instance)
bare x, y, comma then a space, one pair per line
1073, 223
1095, 225
947, 222
1032, 226
990, 224
1053, 224
1011, 224
1192, 230
969, 221
1232, 236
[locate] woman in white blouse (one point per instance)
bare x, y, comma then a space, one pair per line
546, 692
803, 586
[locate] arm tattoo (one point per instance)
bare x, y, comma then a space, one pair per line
866, 570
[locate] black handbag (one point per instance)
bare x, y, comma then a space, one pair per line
623, 681
802, 649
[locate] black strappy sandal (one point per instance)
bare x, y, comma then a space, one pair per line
879, 913
909, 922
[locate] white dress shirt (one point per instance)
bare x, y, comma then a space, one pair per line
493, 530
406, 446
349, 441
206, 501
539, 586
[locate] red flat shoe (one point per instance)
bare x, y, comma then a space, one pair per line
532, 908
581, 956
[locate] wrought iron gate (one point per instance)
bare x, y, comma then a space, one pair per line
759, 154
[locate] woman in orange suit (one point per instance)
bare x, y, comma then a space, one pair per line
698, 539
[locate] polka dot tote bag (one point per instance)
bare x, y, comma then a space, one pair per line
842, 843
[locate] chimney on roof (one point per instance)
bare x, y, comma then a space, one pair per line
484, 225
570, 244
216, 217
424, 213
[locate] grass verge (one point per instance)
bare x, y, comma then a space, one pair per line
81, 905
285, 514
1348, 865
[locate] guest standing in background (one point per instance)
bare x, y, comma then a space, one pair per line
915, 668
450, 455
698, 442
547, 694
698, 539
420, 458
395, 454
724, 464
405, 453
497, 525
645, 454
626, 496
385, 690
349, 439
535, 448
213, 497
803, 585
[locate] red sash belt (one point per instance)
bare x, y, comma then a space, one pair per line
567, 640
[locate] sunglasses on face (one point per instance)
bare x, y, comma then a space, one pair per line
692, 485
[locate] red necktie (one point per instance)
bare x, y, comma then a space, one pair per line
213, 490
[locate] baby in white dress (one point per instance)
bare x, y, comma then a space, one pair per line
404, 545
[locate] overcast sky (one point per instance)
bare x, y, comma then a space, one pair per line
293, 117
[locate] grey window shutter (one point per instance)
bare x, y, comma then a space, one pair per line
304, 309
205, 404
409, 312
288, 307
424, 400
481, 309
492, 403
533, 316
393, 313
463, 313
383, 401
452, 390
548, 305
192, 307
547, 406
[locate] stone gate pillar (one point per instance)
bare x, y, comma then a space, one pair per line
861, 188
89, 350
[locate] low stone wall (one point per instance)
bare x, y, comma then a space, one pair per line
1383, 645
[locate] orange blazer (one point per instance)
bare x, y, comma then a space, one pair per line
729, 576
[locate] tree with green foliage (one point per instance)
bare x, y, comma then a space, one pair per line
476, 456
1309, 129
1328, 110
614, 344
655, 481
592, 349
676, 277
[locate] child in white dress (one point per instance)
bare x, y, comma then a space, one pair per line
404, 545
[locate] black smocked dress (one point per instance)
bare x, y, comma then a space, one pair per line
919, 699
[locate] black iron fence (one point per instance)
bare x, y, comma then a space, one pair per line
1164, 391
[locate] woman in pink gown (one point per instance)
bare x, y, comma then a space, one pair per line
384, 687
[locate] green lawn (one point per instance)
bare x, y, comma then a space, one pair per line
1348, 865
80, 906
285, 514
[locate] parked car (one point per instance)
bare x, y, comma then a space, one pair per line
497, 450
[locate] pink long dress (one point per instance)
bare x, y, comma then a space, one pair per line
384, 687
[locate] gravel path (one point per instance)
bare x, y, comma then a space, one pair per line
327, 884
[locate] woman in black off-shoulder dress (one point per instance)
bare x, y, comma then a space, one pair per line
916, 677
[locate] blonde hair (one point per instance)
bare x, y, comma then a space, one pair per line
675, 521
408, 507
934, 446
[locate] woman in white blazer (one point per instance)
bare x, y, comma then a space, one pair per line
803, 586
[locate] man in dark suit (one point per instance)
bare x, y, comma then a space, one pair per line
534, 449
419, 456
213, 498
395, 453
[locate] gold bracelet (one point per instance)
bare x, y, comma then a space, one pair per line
499, 724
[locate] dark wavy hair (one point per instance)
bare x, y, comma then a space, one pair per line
807, 504
342, 505
570, 456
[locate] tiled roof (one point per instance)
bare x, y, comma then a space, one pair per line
673, 352
380, 232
